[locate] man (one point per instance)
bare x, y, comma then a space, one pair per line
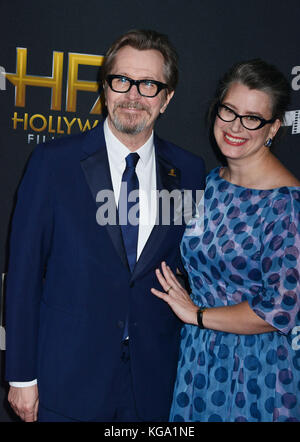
86, 339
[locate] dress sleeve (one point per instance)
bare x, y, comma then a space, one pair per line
279, 301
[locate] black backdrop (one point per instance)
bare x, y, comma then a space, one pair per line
61, 35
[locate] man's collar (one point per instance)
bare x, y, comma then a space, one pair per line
119, 151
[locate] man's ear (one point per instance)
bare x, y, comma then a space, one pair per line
166, 102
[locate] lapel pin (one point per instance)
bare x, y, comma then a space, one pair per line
172, 172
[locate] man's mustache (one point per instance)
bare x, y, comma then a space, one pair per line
133, 105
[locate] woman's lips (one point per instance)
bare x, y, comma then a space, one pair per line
234, 141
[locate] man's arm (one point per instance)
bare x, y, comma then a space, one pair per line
29, 248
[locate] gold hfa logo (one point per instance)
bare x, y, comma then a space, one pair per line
53, 123
21, 80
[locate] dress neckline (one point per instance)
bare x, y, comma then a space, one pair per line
218, 169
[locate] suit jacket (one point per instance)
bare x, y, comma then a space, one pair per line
69, 287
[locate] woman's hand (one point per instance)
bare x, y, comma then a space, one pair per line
175, 295
238, 318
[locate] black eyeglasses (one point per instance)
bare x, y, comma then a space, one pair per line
146, 88
250, 122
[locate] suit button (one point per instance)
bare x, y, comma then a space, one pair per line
131, 284
121, 324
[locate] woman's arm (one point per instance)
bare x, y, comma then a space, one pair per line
238, 319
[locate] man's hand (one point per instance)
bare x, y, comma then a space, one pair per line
24, 401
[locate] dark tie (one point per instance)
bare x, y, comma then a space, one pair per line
129, 224
130, 231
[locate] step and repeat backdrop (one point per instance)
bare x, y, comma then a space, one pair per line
50, 59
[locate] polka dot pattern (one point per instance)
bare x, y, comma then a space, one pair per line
246, 248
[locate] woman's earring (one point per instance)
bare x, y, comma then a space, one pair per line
268, 143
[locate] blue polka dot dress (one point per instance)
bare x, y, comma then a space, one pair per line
245, 247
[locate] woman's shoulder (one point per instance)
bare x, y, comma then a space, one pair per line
283, 177
282, 202
287, 179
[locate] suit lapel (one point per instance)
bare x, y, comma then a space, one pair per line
96, 170
95, 166
168, 179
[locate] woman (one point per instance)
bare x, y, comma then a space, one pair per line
239, 356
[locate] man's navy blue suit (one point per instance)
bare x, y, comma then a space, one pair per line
69, 287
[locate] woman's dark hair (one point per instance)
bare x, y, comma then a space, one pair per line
142, 40
257, 74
